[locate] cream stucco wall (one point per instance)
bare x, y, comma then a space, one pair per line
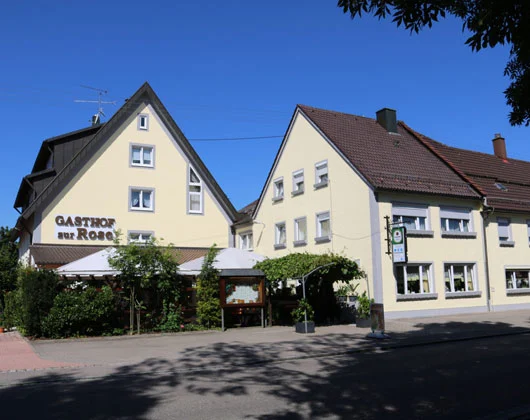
101, 189
502, 257
435, 250
346, 197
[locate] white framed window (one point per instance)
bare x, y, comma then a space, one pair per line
455, 220
414, 279
517, 279
246, 241
278, 189
460, 278
195, 193
504, 230
300, 231
141, 199
140, 237
143, 122
142, 155
321, 174
414, 218
323, 228
280, 235
298, 182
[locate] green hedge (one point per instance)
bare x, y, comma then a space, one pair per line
37, 289
79, 313
12, 310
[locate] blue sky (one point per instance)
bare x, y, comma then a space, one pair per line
237, 69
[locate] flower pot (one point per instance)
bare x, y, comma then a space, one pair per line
1, 330
300, 327
363, 322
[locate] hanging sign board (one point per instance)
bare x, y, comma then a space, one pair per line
399, 244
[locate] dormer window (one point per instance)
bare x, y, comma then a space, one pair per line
49, 162
143, 122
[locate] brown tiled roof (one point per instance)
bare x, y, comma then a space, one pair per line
246, 212
57, 255
485, 170
389, 161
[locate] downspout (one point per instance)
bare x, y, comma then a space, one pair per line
486, 211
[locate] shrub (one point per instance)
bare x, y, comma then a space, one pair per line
172, 320
363, 306
208, 303
38, 289
12, 310
298, 313
75, 313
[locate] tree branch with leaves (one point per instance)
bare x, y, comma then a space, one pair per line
490, 22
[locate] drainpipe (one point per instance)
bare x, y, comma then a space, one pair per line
486, 211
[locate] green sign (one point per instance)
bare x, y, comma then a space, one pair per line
399, 244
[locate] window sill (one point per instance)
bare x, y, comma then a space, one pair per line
280, 246
462, 295
320, 185
507, 244
420, 233
516, 292
139, 165
299, 243
140, 209
277, 199
417, 296
297, 192
469, 235
322, 239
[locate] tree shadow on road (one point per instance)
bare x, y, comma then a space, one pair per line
308, 377
129, 392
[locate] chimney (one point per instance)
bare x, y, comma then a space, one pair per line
386, 117
499, 147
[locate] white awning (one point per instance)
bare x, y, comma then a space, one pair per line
93, 265
227, 259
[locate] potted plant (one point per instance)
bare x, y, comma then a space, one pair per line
2, 329
302, 312
362, 318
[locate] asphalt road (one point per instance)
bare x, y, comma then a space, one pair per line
483, 378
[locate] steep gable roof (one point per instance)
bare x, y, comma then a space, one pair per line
147, 95
486, 170
388, 161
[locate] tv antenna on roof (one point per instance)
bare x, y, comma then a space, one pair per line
96, 118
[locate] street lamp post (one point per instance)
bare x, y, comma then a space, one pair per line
303, 289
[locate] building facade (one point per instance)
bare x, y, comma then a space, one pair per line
340, 181
136, 174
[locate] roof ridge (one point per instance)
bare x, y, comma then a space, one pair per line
441, 156
331, 111
491, 155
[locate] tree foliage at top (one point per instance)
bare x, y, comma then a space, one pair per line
208, 303
491, 22
294, 266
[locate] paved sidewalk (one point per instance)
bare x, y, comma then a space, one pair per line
248, 345
17, 354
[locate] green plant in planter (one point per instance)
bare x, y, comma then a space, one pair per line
363, 306
298, 313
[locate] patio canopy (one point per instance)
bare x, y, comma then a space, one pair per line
230, 261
